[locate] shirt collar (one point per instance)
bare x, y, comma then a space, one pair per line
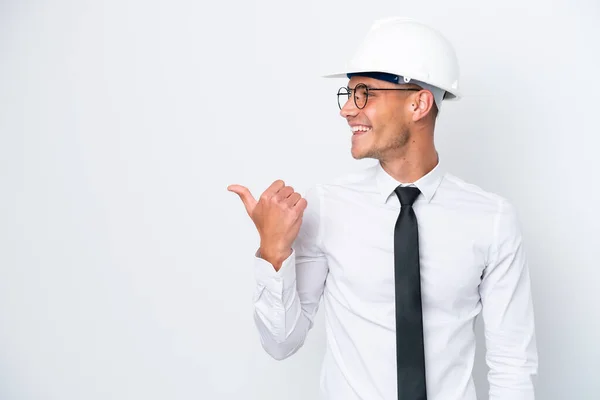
427, 184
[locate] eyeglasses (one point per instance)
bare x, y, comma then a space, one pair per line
361, 94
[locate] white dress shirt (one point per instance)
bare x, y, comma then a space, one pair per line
472, 261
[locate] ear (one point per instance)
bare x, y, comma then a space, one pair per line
422, 105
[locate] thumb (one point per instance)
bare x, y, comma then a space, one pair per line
247, 198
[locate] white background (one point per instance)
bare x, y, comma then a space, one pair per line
126, 266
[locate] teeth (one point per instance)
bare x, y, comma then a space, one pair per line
360, 129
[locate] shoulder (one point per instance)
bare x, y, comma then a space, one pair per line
470, 190
360, 179
504, 214
341, 188
475, 196
478, 202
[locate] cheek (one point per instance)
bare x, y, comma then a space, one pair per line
384, 115
395, 121
387, 119
383, 123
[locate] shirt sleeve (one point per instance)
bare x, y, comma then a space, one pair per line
508, 313
286, 301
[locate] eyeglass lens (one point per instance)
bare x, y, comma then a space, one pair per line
361, 95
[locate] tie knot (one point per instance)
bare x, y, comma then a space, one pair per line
407, 194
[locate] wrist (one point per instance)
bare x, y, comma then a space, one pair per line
274, 256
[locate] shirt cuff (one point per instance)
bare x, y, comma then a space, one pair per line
276, 281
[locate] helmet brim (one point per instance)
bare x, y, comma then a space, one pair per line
450, 94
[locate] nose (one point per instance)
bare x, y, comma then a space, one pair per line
349, 109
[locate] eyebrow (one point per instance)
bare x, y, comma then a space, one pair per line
360, 83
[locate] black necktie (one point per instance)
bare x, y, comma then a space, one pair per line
410, 353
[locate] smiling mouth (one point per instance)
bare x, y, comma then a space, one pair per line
360, 129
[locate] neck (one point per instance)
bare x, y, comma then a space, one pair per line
412, 164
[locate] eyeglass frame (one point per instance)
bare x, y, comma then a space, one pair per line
367, 89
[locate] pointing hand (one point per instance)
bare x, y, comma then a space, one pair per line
277, 216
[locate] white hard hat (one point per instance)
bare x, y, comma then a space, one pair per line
410, 50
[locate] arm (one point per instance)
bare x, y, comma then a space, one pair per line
508, 313
287, 299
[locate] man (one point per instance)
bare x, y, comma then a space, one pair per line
404, 254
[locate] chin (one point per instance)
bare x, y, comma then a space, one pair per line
359, 154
